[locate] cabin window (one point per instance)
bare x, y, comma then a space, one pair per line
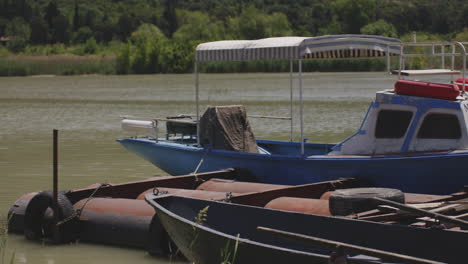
392, 123
440, 126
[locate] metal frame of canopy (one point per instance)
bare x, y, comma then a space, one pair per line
433, 53
294, 48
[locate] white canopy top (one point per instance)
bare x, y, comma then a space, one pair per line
335, 46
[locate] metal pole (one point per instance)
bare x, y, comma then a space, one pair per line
400, 68
291, 98
301, 109
453, 57
443, 57
55, 183
463, 51
197, 103
388, 59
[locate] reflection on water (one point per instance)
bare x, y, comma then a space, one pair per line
86, 110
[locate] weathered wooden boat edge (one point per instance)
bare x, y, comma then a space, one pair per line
400, 239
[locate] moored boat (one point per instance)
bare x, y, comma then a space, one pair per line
210, 231
414, 137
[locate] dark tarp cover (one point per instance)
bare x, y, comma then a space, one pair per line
227, 127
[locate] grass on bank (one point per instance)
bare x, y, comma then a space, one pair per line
24, 65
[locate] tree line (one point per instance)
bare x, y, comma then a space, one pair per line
160, 35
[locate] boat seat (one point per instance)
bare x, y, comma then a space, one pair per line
189, 129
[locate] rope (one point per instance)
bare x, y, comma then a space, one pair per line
78, 212
199, 165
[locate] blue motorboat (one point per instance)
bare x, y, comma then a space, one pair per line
414, 137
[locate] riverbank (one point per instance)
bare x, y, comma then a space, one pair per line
69, 64
66, 64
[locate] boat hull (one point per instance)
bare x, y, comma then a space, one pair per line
208, 246
435, 173
224, 222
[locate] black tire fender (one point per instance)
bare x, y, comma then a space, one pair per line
356, 200
38, 218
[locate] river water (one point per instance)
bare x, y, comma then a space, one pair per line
86, 111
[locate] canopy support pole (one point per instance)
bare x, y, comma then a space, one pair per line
443, 56
301, 108
463, 51
388, 59
197, 103
400, 62
291, 98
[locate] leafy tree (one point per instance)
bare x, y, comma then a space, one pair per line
147, 40
333, 28
147, 32
253, 24
39, 30
126, 25
124, 60
3, 23
401, 14
354, 14
61, 29
197, 26
141, 59
19, 32
83, 34
76, 17
177, 57
90, 46
51, 13
105, 30
170, 18
90, 19
16, 8
462, 36
380, 27
278, 25
321, 15
154, 56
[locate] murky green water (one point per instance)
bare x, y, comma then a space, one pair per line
86, 110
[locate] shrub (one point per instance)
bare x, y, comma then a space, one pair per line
90, 46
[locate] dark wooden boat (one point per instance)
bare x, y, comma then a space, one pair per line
213, 232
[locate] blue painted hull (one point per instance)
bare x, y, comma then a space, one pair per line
436, 173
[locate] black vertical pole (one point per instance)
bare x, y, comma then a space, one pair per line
55, 183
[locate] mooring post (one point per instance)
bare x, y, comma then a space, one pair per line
55, 184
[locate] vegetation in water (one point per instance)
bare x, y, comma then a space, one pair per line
159, 36
228, 253
4, 258
201, 218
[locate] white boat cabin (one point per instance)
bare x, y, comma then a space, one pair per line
406, 120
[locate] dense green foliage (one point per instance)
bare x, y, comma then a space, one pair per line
149, 36
23, 65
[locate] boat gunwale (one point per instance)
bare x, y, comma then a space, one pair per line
380, 157
150, 198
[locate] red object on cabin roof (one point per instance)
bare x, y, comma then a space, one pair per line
460, 80
427, 89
